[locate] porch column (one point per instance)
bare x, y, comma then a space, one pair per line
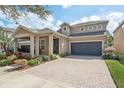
32, 45
60, 44
14, 45
37, 46
51, 44
0, 46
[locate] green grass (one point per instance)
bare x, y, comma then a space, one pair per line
116, 69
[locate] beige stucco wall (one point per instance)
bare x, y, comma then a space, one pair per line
22, 31
67, 31
64, 45
119, 40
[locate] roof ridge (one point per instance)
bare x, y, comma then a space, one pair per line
90, 22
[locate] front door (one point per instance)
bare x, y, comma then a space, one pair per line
56, 46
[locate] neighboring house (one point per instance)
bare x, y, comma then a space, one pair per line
89, 38
8, 31
119, 38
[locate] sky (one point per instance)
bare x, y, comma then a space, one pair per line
71, 14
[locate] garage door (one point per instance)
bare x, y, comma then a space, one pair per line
86, 48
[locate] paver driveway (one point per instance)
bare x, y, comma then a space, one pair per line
75, 71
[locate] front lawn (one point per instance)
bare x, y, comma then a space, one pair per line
116, 69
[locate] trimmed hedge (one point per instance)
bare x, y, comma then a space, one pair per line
33, 62
64, 54
46, 58
53, 57
4, 62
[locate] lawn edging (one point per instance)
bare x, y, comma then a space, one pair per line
117, 72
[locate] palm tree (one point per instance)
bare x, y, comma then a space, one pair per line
5, 39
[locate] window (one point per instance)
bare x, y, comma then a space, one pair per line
24, 48
89, 28
42, 44
99, 26
81, 29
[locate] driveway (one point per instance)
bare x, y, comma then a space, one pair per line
72, 71
75, 71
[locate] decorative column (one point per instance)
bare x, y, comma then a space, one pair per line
14, 45
60, 44
0, 46
37, 46
51, 44
32, 45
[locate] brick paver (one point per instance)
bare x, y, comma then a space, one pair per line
75, 71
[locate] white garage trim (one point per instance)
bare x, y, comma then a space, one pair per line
85, 41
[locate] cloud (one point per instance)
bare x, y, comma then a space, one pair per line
94, 18
85, 19
112, 25
59, 22
114, 15
66, 6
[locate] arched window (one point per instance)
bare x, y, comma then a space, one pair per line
64, 28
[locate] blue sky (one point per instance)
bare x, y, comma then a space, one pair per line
72, 14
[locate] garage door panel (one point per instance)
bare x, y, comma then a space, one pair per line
86, 48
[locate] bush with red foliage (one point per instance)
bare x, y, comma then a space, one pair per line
22, 56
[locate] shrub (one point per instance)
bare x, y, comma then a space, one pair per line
33, 62
64, 54
39, 59
109, 55
12, 58
116, 56
2, 56
8, 53
4, 62
53, 57
45, 58
21, 62
110, 49
22, 56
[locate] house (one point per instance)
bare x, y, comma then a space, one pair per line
119, 38
89, 38
7, 31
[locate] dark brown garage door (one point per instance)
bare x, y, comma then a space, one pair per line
86, 48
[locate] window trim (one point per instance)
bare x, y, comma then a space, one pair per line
88, 28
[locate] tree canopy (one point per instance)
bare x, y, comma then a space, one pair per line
15, 11
110, 41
